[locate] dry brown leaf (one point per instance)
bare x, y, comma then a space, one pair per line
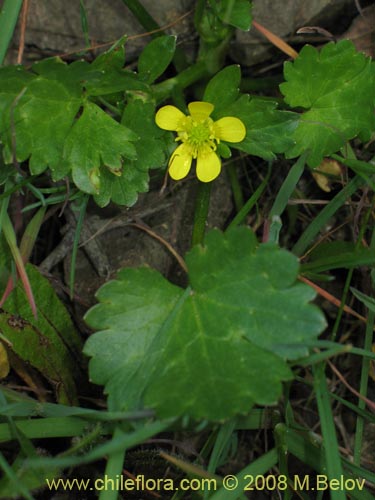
327, 171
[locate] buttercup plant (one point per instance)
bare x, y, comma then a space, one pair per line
200, 136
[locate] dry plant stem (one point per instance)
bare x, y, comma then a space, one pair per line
131, 37
275, 40
132, 476
202, 204
333, 300
370, 404
93, 248
65, 245
167, 245
21, 48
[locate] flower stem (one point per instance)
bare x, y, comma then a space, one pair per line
190, 75
202, 203
236, 187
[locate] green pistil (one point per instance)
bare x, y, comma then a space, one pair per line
199, 133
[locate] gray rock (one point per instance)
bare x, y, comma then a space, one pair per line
283, 18
54, 27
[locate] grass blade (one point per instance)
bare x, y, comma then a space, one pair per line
315, 226
331, 448
8, 20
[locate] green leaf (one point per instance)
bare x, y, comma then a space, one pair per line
39, 112
95, 142
139, 116
336, 86
369, 302
237, 13
210, 351
103, 76
122, 189
5, 262
50, 343
223, 88
156, 57
268, 130
348, 260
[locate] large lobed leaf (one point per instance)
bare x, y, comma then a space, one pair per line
97, 140
210, 351
48, 116
336, 87
37, 114
268, 130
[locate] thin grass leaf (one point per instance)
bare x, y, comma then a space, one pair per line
347, 260
77, 236
221, 442
84, 22
142, 15
321, 219
189, 468
30, 235
369, 302
260, 466
321, 356
10, 188
113, 468
362, 168
26, 246
331, 449
240, 217
10, 237
12, 477
150, 25
362, 413
288, 186
358, 441
359, 472
308, 449
5, 203
8, 20
45, 428
113, 446
282, 449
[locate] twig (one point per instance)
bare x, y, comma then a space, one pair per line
341, 377
132, 37
164, 242
21, 48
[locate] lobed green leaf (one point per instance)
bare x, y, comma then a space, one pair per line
268, 130
97, 142
201, 351
335, 86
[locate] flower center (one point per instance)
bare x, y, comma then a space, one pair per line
198, 134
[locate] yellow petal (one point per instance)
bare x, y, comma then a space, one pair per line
168, 117
180, 162
200, 110
208, 166
230, 129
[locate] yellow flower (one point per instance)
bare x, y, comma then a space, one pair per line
200, 136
